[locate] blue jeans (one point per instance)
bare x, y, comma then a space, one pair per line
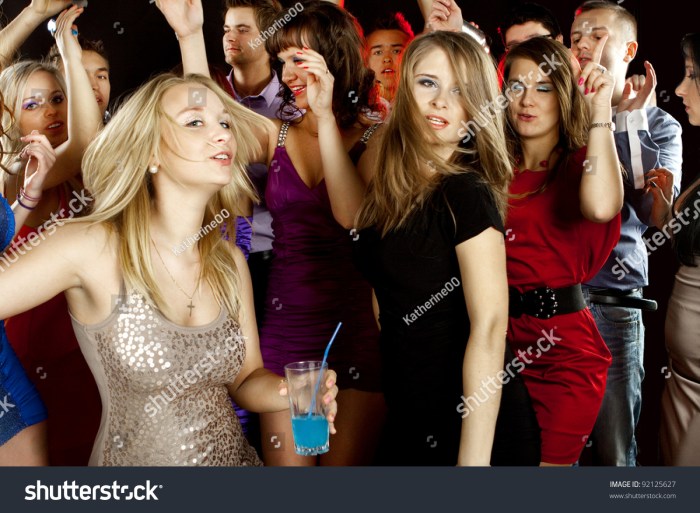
613, 440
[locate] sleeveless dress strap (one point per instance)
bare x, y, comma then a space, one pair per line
282, 137
360, 146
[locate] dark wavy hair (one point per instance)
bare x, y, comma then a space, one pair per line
529, 11
337, 36
687, 242
391, 21
88, 45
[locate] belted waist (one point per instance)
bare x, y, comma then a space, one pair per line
546, 302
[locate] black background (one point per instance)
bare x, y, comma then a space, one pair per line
140, 44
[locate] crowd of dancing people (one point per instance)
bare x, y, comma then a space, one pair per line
476, 224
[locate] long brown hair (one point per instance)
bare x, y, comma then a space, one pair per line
337, 36
574, 119
399, 181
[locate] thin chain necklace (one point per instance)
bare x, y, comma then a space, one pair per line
189, 296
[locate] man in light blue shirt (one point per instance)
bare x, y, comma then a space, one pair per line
646, 138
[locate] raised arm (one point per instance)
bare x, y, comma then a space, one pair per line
19, 29
647, 138
346, 187
186, 18
482, 264
441, 15
84, 118
601, 193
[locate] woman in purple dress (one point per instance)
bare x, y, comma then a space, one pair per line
313, 282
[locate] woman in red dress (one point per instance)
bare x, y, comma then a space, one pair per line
562, 223
69, 117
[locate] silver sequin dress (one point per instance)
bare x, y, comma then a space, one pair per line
163, 389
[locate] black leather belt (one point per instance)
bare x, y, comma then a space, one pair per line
546, 302
261, 256
622, 298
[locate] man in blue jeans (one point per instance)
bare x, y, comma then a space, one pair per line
646, 138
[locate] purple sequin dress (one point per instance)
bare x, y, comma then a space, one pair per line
314, 284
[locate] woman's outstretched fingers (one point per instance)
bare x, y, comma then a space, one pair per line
329, 399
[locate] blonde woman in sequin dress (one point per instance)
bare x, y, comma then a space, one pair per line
169, 335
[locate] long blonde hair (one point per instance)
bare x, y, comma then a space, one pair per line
13, 82
3, 111
399, 182
115, 171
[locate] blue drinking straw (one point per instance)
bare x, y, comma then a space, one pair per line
320, 374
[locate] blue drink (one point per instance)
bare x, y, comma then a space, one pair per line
310, 434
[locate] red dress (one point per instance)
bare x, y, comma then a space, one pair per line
550, 243
45, 343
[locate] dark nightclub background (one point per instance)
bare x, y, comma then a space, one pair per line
141, 44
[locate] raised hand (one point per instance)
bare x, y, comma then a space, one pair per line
594, 81
40, 158
67, 33
639, 91
445, 15
185, 17
660, 184
48, 8
319, 82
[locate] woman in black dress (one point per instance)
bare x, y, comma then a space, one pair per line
430, 241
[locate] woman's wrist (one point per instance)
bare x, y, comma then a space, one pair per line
601, 114
33, 16
28, 200
185, 37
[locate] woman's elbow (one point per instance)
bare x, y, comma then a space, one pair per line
599, 213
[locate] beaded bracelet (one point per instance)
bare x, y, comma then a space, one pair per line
26, 196
19, 200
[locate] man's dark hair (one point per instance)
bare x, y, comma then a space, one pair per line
620, 12
265, 11
390, 21
529, 11
87, 45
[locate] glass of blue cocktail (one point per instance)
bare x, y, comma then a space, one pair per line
309, 424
